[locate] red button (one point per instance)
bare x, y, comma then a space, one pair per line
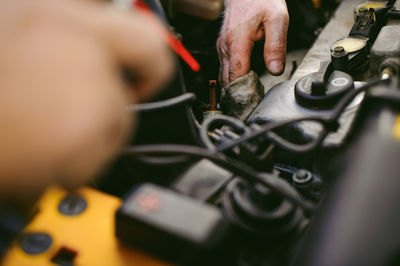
149, 202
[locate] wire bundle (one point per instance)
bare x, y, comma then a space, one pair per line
163, 152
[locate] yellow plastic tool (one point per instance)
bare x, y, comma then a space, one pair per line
89, 234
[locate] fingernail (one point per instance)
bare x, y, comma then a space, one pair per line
275, 67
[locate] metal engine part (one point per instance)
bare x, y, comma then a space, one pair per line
280, 102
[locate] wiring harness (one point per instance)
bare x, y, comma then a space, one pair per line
171, 153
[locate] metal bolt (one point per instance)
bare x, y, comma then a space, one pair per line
339, 50
302, 176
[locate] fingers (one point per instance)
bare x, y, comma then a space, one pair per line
235, 50
239, 61
263, 18
224, 61
276, 28
137, 44
225, 71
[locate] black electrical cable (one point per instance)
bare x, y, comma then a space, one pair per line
297, 148
244, 171
217, 122
329, 123
161, 154
348, 98
161, 105
266, 128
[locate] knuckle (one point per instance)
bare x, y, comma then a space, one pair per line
236, 70
219, 40
229, 39
220, 43
278, 47
279, 16
222, 47
233, 75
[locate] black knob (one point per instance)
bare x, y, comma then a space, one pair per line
318, 92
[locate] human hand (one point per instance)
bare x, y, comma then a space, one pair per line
62, 111
247, 21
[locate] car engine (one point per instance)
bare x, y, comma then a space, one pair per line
300, 169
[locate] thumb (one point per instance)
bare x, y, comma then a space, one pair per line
137, 45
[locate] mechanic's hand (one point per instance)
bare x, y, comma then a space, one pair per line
62, 99
247, 21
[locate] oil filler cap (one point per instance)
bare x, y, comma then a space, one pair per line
321, 91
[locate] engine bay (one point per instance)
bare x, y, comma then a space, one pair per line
298, 170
